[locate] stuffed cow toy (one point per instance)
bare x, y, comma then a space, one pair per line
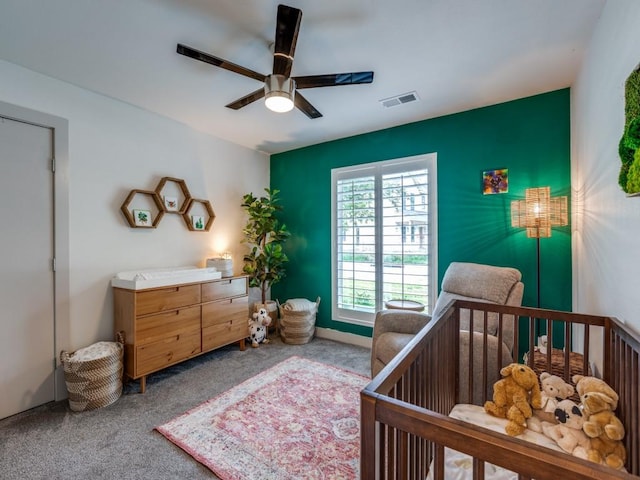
259, 328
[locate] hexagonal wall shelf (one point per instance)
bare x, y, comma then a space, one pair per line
199, 224
155, 216
170, 184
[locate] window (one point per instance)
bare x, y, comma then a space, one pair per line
383, 231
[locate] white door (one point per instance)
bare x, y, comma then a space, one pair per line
27, 352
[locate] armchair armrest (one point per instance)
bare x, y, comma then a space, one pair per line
399, 321
391, 331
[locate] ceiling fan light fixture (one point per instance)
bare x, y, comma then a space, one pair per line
278, 93
280, 89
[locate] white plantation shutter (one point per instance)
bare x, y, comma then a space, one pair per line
383, 236
356, 243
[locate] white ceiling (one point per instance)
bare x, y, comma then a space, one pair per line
456, 54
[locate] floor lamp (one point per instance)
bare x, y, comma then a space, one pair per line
538, 212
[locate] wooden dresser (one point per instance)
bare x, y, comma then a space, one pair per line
167, 325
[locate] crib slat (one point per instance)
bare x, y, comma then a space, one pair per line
478, 469
634, 422
438, 461
471, 355
485, 362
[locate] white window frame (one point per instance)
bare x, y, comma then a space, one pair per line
425, 161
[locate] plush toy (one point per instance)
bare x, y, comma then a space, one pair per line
514, 396
568, 432
259, 328
262, 316
542, 344
553, 389
601, 424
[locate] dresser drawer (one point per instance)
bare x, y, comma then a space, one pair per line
161, 354
166, 324
225, 288
215, 313
170, 298
221, 334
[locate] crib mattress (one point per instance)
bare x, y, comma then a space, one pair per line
459, 466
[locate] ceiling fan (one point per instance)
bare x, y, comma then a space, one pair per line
280, 90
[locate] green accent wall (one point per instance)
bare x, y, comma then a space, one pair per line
529, 136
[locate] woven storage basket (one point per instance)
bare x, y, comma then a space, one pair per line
298, 323
558, 363
93, 375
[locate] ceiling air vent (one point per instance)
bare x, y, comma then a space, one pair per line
399, 99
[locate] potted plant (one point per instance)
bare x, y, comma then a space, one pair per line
265, 235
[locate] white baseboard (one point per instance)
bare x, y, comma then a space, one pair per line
343, 337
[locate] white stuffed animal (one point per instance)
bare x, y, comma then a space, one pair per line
553, 389
259, 328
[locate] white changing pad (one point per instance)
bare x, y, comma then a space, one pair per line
459, 466
159, 277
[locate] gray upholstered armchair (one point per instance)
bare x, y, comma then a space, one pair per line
393, 329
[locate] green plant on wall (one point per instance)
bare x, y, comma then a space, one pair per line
265, 235
629, 146
633, 176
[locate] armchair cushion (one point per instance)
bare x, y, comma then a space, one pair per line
482, 282
469, 368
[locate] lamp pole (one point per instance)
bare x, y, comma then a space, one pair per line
538, 268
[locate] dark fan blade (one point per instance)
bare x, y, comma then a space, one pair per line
219, 62
287, 27
333, 79
305, 107
247, 99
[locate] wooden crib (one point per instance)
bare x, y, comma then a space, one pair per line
405, 425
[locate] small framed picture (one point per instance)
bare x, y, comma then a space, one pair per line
198, 222
142, 218
495, 181
171, 204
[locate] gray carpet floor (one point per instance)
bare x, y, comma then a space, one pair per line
119, 441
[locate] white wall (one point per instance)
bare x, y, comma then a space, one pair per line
607, 223
113, 148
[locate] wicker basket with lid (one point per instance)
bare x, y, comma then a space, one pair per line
93, 375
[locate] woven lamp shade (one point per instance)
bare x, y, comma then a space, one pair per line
538, 212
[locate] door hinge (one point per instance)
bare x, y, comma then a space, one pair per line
53, 164
53, 264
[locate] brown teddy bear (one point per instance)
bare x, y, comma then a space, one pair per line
606, 431
568, 432
514, 396
553, 389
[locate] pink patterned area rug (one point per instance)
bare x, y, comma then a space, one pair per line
297, 420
